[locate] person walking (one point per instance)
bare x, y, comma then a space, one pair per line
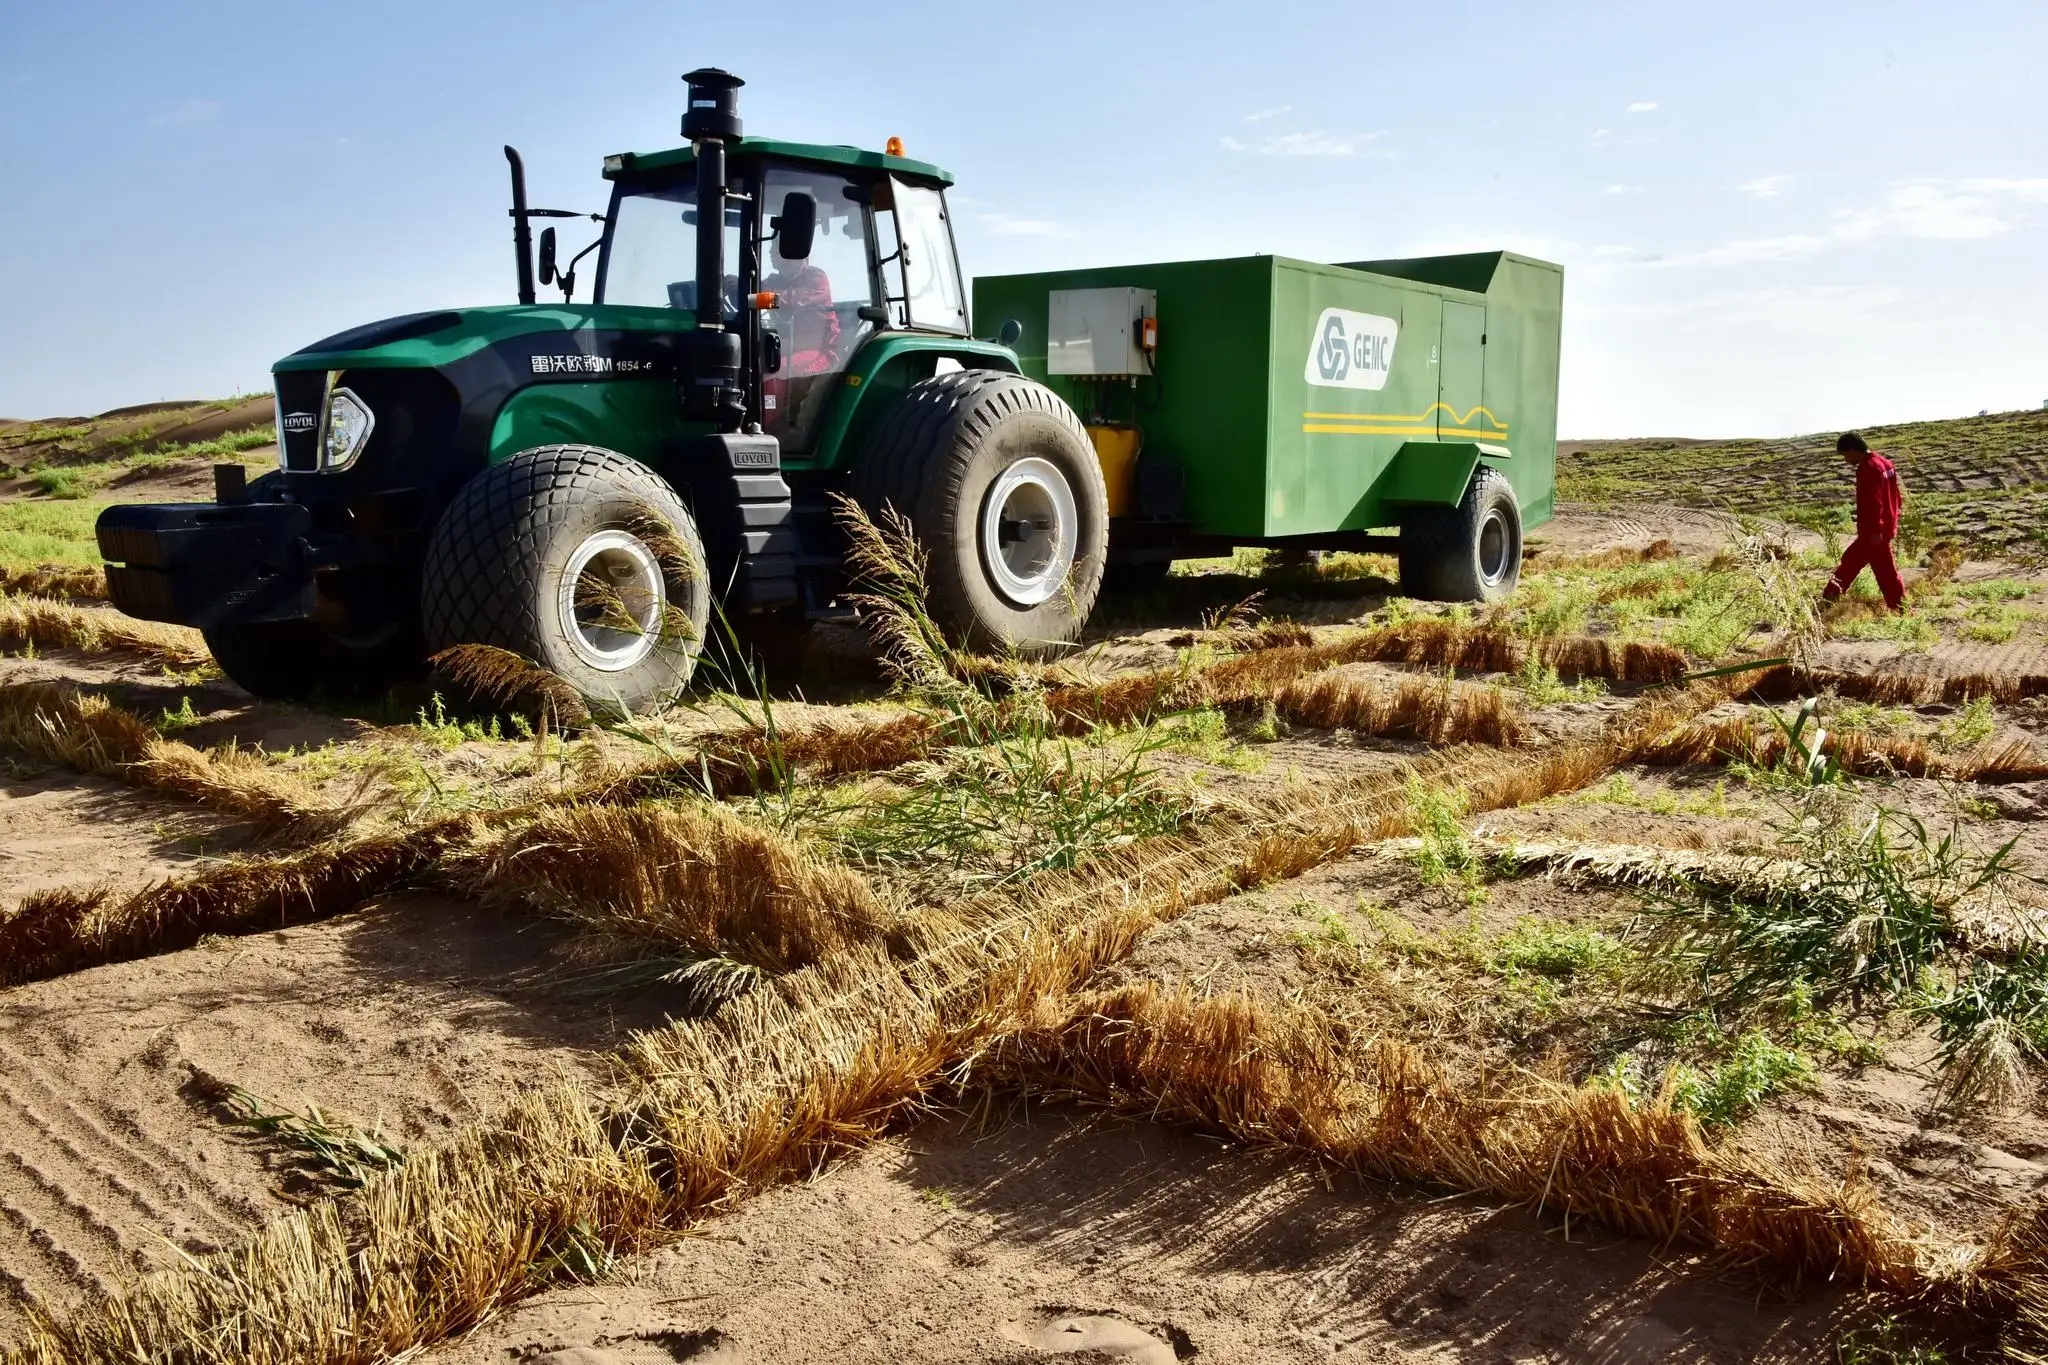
1878, 499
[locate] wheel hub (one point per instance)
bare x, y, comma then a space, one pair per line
1494, 542
1028, 523
611, 601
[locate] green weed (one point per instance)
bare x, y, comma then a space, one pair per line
1725, 1094
66, 482
1445, 858
1869, 718
1539, 682
1888, 1342
1994, 625
1205, 735
58, 533
184, 718
1908, 628
1971, 725
1018, 805
38, 434
1556, 951
448, 733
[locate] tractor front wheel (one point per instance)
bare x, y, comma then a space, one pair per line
1468, 553
583, 561
294, 660
1004, 491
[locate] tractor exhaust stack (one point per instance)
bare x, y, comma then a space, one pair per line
712, 118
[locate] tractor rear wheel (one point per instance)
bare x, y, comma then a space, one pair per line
1005, 494
1468, 553
581, 560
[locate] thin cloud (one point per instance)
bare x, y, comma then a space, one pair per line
1262, 115
1641, 107
188, 113
1918, 210
1602, 136
1765, 186
1621, 190
1318, 142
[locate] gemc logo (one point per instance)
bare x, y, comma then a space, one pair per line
1333, 356
1351, 350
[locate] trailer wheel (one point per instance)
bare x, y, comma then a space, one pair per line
293, 660
581, 560
1005, 493
1468, 553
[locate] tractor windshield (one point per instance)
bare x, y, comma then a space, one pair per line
650, 257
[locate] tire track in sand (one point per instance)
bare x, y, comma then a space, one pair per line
116, 1145
76, 1170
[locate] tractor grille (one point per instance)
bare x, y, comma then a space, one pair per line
301, 413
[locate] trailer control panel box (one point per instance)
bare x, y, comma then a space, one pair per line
1101, 332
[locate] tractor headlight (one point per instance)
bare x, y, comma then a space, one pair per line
349, 424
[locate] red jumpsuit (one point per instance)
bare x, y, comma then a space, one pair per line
1877, 520
803, 294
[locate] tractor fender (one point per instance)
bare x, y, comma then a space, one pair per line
881, 372
633, 417
1432, 473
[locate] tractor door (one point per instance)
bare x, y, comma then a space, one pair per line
818, 302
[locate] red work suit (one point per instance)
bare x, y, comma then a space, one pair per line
803, 295
1878, 500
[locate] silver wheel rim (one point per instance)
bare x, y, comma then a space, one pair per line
1494, 541
611, 600
1027, 531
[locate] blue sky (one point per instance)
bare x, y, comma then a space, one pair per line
1773, 217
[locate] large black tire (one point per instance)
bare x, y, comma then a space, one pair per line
294, 660
1468, 553
965, 451
581, 560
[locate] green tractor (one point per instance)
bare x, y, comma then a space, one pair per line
773, 323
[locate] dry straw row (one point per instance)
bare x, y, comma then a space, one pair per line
815, 1063
1786, 682
49, 624
821, 1060
1282, 1077
55, 580
58, 723
1746, 739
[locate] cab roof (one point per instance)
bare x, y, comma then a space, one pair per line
632, 162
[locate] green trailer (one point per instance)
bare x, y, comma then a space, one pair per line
778, 329
1408, 405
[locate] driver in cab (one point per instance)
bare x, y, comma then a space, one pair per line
803, 307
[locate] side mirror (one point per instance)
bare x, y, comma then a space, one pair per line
1011, 332
797, 226
547, 255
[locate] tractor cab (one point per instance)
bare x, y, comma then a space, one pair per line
876, 254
